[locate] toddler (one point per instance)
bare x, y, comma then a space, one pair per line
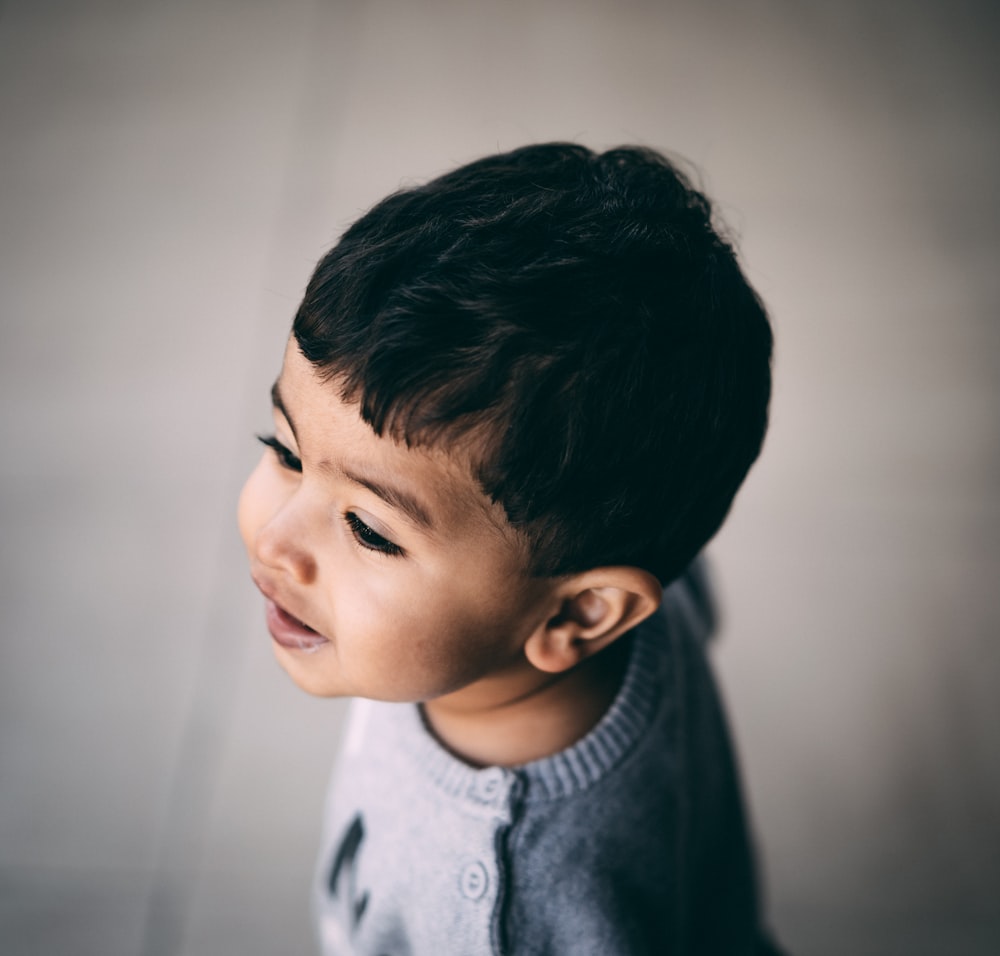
516, 403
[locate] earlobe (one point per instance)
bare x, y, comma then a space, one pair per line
594, 609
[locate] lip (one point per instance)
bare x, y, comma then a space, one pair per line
286, 629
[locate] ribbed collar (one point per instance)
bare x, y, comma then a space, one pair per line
618, 731
567, 772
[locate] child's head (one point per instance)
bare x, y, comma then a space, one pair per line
580, 317
516, 401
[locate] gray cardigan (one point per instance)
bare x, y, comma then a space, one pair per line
630, 842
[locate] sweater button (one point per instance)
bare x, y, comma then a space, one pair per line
489, 782
474, 881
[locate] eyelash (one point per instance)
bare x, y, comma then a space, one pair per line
285, 457
369, 538
366, 537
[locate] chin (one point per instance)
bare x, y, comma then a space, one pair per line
306, 678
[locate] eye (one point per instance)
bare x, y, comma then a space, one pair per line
368, 538
285, 457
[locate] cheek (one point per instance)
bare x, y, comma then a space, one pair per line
258, 501
392, 640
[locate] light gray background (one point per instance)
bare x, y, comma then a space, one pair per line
170, 172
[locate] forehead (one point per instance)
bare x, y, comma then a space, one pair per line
332, 435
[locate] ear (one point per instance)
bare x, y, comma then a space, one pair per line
591, 610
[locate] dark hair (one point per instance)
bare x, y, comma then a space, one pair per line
581, 312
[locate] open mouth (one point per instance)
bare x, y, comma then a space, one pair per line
301, 624
288, 631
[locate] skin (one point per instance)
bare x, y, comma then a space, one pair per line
429, 600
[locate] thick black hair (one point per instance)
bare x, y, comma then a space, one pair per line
581, 312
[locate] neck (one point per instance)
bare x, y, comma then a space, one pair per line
531, 717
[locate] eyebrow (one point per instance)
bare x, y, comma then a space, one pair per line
392, 496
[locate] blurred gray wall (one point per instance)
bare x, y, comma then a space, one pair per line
169, 173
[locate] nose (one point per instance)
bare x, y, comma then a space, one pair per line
281, 544
277, 535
